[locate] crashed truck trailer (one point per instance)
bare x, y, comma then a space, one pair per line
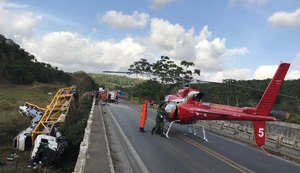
42, 136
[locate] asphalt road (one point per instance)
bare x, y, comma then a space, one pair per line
184, 152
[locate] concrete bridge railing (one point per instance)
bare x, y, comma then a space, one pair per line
283, 138
84, 145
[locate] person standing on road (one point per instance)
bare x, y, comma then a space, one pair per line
143, 116
159, 126
117, 97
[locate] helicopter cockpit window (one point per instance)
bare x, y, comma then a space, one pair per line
198, 96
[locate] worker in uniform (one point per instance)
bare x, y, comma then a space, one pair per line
159, 126
143, 116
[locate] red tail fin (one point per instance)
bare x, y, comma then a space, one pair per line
266, 102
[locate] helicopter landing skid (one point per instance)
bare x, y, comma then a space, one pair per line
167, 134
194, 132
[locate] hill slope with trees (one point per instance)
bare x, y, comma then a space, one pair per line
115, 81
20, 67
37, 80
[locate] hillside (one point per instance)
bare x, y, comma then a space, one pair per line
20, 67
115, 81
24, 79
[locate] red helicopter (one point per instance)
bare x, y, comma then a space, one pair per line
186, 107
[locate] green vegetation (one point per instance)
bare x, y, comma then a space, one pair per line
148, 90
20, 67
73, 131
115, 81
83, 81
165, 70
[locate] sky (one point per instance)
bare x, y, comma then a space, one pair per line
225, 39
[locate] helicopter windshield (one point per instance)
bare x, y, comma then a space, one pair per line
197, 97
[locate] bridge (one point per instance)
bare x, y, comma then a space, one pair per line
113, 143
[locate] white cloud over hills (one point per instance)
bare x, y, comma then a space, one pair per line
73, 51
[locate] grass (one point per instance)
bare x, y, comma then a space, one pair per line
12, 122
15, 95
24, 156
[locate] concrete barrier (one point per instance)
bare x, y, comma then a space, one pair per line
84, 145
283, 138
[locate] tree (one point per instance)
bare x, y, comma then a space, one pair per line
164, 70
140, 67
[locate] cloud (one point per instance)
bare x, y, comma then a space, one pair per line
70, 51
204, 33
237, 51
246, 2
73, 52
237, 74
12, 5
172, 39
265, 72
159, 3
297, 60
294, 74
18, 25
285, 19
268, 71
119, 20
209, 55
180, 44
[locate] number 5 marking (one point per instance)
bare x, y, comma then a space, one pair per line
261, 132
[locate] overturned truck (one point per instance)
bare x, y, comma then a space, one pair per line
43, 135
